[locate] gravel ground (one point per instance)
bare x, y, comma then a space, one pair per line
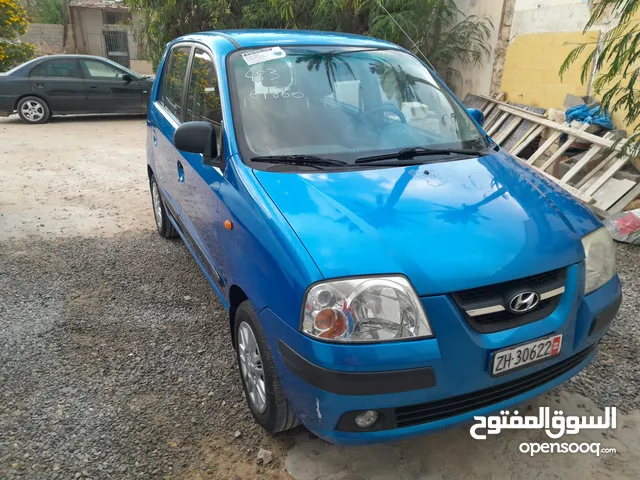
613, 379
115, 362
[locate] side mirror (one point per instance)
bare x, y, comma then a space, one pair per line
197, 137
127, 78
477, 115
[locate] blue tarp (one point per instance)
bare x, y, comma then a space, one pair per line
594, 115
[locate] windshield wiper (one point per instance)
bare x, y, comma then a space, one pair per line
410, 153
307, 160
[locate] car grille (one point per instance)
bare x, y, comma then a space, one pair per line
453, 406
499, 295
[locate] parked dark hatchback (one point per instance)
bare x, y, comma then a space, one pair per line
71, 84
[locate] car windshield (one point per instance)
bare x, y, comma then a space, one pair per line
342, 103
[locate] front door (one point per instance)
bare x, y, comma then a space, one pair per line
111, 89
164, 118
198, 196
61, 84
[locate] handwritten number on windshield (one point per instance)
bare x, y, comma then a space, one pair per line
259, 75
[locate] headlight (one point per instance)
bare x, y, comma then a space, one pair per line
600, 261
375, 309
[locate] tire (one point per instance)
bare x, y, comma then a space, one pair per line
163, 224
276, 415
33, 110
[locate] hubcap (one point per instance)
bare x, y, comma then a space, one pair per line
32, 110
251, 367
157, 206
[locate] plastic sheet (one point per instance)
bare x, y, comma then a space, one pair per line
593, 116
625, 226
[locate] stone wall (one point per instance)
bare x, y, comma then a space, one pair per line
48, 38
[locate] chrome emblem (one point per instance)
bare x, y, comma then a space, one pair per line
524, 302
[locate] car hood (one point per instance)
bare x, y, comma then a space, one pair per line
447, 226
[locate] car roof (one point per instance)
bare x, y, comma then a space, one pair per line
266, 38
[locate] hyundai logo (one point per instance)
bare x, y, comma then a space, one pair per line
524, 302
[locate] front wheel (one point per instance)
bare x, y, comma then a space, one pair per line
260, 380
163, 224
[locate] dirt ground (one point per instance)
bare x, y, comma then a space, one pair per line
108, 328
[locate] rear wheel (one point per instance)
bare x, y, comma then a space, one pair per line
163, 224
33, 110
260, 380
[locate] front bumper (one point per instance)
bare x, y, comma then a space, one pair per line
328, 383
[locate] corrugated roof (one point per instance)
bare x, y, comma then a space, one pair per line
110, 4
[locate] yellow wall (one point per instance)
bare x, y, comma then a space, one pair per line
532, 64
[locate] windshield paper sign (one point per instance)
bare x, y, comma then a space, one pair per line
263, 55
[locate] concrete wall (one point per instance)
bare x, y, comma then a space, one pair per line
47, 38
543, 32
478, 79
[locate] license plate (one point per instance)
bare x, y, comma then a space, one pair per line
533, 352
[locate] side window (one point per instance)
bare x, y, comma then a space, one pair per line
56, 69
203, 97
98, 69
173, 78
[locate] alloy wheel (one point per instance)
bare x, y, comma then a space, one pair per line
32, 110
157, 205
252, 367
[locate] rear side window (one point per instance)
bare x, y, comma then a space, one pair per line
173, 78
97, 69
56, 69
203, 97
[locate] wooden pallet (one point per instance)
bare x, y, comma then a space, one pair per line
595, 177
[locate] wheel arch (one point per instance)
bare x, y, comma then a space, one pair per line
15, 105
236, 297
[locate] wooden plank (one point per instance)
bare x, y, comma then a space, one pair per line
490, 121
544, 147
491, 102
505, 104
596, 169
564, 128
590, 155
508, 131
607, 196
524, 142
617, 165
563, 148
624, 201
522, 129
494, 128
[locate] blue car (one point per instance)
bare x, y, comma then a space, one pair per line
387, 268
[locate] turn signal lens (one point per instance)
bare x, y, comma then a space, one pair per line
330, 323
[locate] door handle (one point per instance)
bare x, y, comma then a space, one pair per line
40, 85
154, 136
93, 86
180, 172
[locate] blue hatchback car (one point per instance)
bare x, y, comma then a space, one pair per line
388, 269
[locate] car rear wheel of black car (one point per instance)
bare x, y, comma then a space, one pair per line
33, 110
260, 380
164, 225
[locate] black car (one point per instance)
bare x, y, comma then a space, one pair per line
70, 84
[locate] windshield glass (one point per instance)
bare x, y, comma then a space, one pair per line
342, 103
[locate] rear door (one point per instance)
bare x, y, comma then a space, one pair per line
164, 118
60, 83
107, 89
